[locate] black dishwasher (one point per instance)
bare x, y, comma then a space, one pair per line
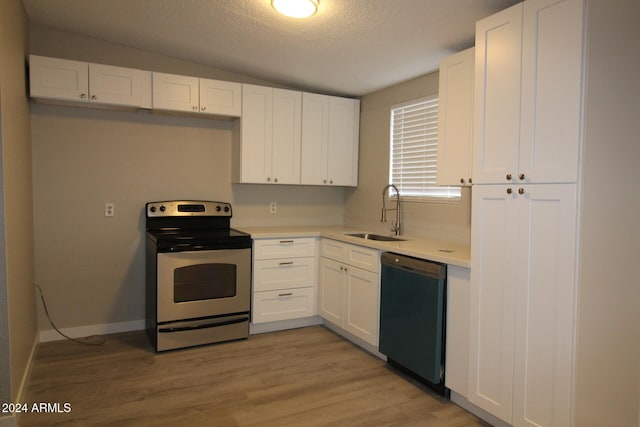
412, 317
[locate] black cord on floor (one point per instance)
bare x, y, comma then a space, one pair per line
90, 340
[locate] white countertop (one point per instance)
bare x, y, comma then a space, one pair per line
418, 247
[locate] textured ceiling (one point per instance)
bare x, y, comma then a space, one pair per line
350, 47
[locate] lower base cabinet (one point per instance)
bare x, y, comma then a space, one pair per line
284, 279
349, 296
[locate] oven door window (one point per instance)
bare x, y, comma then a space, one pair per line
204, 282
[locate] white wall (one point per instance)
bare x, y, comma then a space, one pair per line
17, 312
608, 352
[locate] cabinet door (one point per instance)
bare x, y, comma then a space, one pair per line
552, 50
256, 132
175, 92
545, 310
455, 118
220, 98
119, 86
285, 157
58, 79
362, 316
315, 139
332, 291
492, 299
342, 153
497, 96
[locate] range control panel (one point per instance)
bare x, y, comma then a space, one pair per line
188, 208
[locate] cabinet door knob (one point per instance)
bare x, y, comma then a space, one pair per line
195, 108
275, 180
470, 181
83, 95
203, 108
93, 97
268, 179
521, 176
509, 191
509, 177
520, 190
461, 180
324, 181
331, 182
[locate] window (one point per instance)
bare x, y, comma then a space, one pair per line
414, 151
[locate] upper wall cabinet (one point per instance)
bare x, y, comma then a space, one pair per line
81, 82
269, 148
528, 94
455, 127
330, 132
192, 94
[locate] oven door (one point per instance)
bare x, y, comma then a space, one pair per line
195, 284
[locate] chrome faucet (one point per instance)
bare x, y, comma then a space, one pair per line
396, 228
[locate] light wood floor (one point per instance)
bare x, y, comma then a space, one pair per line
302, 377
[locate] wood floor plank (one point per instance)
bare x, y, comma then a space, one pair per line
303, 377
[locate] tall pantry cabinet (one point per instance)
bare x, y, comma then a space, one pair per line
527, 122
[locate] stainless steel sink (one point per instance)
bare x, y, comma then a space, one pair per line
379, 237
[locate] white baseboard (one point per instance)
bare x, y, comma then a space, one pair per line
27, 372
85, 331
480, 413
261, 328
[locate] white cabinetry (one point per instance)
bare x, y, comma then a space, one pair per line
284, 279
192, 94
82, 82
349, 288
330, 132
523, 241
455, 126
457, 342
522, 302
528, 100
270, 130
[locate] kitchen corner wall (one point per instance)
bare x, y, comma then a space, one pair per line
18, 332
442, 221
91, 267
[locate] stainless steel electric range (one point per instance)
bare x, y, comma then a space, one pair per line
198, 282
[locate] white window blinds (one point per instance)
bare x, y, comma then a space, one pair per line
414, 150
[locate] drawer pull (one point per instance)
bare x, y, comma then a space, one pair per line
286, 294
286, 263
286, 241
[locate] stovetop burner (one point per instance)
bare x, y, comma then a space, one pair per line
192, 225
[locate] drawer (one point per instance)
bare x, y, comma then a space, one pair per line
284, 248
271, 306
333, 249
365, 258
355, 255
283, 273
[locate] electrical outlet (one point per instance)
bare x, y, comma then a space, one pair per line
109, 209
273, 207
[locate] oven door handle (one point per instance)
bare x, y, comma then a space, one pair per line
204, 325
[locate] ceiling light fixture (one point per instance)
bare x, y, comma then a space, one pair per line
296, 8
